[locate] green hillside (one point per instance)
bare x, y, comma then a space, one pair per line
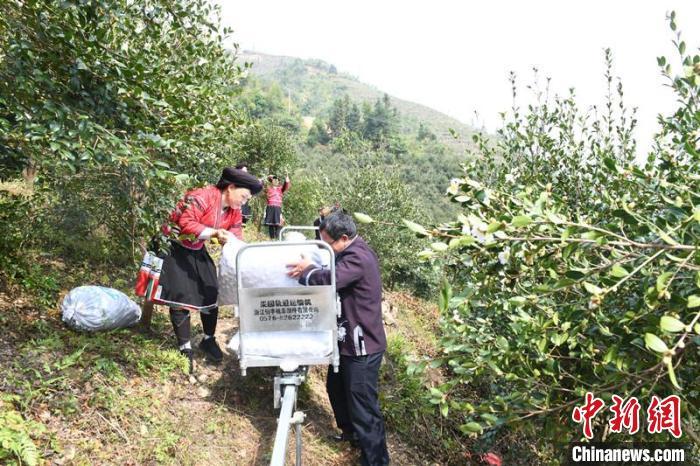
315, 84
341, 124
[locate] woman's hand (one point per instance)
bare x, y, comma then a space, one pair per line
222, 235
296, 268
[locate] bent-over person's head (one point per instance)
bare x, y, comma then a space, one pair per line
338, 230
237, 187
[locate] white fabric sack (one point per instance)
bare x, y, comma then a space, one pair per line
294, 236
262, 267
95, 308
267, 267
320, 257
285, 345
228, 292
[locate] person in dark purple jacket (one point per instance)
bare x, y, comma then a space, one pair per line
353, 391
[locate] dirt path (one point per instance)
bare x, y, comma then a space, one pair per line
125, 398
245, 404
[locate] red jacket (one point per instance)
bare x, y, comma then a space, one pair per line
200, 209
275, 194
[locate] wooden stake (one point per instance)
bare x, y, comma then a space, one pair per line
146, 314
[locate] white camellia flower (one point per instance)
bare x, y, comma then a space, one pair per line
454, 186
478, 235
487, 197
504, 256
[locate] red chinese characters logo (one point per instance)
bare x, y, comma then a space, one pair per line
587, 412
626, 415
664, 415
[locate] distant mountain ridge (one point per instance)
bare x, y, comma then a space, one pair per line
314, 85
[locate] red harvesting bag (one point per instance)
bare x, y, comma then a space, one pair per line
143, 275
153, 293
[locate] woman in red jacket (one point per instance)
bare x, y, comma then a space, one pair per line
273, 211
188, 277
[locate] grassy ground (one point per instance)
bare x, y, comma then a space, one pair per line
124, 397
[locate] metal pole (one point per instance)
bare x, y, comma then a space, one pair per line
279, 451
298, 429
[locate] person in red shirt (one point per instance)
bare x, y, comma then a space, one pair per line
188, 276
273, 211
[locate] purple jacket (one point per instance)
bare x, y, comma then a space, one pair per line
359, 284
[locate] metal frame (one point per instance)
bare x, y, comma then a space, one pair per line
264, 361
286, 388
286, 385
295, 228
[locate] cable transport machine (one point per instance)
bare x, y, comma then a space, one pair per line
290, 327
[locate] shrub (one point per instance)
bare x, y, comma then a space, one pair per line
111, 120
572, 268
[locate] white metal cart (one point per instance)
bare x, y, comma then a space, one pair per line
287, 327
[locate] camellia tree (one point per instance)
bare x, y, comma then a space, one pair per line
113, 107
378, 193
573, 268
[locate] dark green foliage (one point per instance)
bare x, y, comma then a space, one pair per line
424, 134
268, 149
572, 268
318, 133
349, 143
301, 203
377, 125
345, 117
118, 104
424, 164
349, 122
380, 123
408, 409
381, 194
15, 230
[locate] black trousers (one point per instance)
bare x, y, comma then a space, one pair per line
354, 396
180, 319
274, 231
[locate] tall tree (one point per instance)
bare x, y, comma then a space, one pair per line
113, 103
380, 122
354, 119
338, 120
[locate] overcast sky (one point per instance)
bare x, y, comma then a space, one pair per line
455, 56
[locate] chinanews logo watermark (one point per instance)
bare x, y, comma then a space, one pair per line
660, 416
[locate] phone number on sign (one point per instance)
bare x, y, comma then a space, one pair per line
287, 317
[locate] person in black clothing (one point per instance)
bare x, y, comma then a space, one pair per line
353, 391
322, 213
246, 211
188, 278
